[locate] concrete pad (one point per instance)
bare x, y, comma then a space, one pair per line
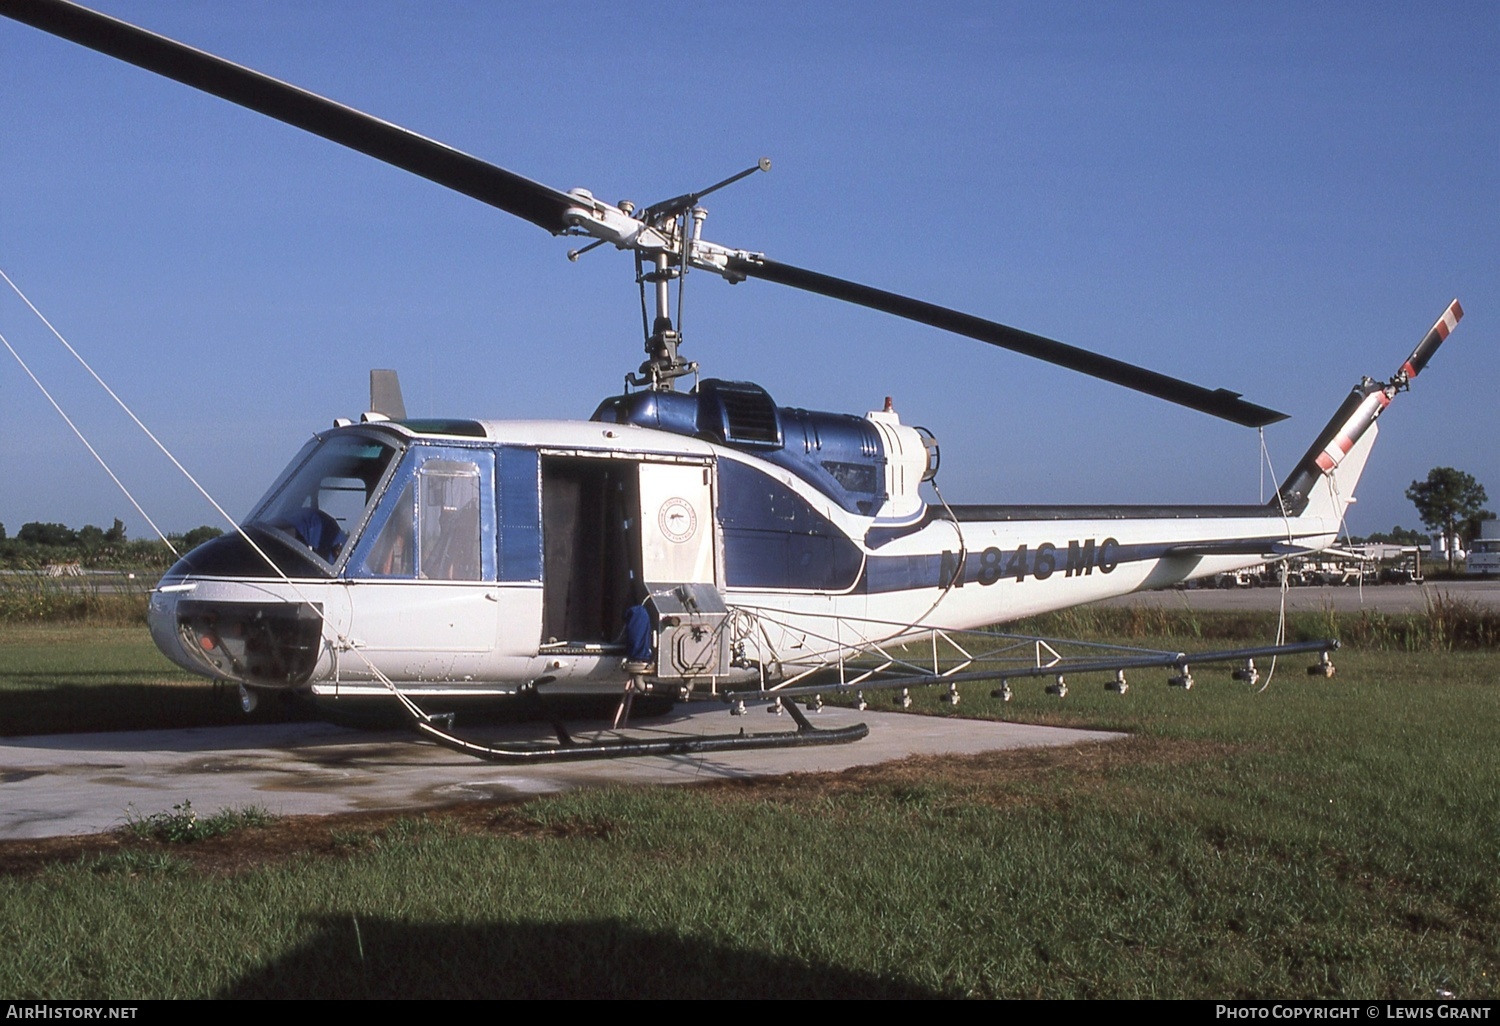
69, 784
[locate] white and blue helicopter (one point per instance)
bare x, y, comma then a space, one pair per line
679, 543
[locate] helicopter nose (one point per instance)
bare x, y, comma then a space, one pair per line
161, 617
270, 644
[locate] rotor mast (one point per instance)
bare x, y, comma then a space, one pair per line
663, 366
667, 238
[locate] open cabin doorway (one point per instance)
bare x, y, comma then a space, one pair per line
613, 528
590, 548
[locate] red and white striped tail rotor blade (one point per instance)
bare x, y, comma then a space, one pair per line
1358, 413
1429, 345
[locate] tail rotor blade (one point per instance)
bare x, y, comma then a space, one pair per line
1430, 342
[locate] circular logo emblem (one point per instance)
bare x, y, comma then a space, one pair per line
677, 520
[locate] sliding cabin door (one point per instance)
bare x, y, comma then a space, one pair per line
611, 527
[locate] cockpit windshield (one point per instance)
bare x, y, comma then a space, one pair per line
322, 501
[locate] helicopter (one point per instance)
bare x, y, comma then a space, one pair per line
680, 543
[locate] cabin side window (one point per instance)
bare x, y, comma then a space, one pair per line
448, 519
434, 521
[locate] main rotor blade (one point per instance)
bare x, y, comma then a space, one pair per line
548, 208
541, 205
1215, 402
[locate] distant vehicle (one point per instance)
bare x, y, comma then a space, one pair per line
1484, 554
1236, 579
1327, 572
1405, 573
1271, 575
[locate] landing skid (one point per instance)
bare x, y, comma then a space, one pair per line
568, 748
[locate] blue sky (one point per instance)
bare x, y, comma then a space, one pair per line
1273, 198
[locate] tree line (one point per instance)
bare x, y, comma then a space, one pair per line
37, 544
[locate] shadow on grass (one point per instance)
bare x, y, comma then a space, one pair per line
596, 959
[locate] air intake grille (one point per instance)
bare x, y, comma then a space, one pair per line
739, 413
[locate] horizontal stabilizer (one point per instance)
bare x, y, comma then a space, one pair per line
1265, 547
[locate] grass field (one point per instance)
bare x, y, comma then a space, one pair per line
78, 678
1322, 838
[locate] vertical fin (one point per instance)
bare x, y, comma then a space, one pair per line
385, 395
1332, 493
